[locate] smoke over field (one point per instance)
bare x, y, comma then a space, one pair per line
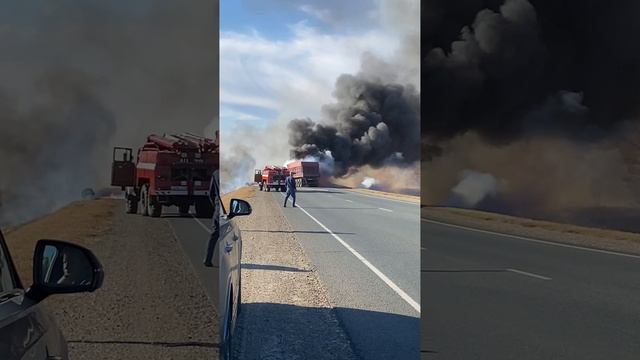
371, 123
81, 77
540, 95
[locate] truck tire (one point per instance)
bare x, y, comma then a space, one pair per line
184, 209
144, 198
204, 209
132, 205
155, 208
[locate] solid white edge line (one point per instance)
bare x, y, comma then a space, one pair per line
534, 240
205, 227
529, 274
381, 197
383, 209
371, 267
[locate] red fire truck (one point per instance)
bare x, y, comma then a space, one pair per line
272, 177
170, 170
306, 173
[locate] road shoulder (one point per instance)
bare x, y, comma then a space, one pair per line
284, 304
151, 305
603, 239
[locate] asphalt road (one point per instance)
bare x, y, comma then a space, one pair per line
365, 251
492, 296
193, 235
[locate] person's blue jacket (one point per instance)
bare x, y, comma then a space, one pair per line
290, 182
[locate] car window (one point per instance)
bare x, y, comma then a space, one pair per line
6, 280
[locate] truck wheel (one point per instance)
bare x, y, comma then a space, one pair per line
132, 206
155, 208
144, 196
184, 209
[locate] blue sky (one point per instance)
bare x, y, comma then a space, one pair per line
280, 53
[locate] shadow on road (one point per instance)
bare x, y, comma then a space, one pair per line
297, 232
319, 191
152, 343
282, 331
272, 267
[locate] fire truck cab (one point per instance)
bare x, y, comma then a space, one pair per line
170, 170
273, 178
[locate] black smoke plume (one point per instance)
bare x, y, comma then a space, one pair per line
371, 123
542, 95
517, 68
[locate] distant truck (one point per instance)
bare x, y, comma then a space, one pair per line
306, 173
170, 170
271, 178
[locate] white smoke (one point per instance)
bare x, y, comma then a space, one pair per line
368, 182
472, 189
236, 167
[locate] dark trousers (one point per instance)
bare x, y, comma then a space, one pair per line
293, 197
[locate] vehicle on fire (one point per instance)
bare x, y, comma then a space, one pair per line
27, 329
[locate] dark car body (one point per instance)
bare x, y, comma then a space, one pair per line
27, 328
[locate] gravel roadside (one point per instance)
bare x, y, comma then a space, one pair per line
151, 305
605, 239
285, 312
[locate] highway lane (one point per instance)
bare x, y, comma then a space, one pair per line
193, 235
366, 252
491, 296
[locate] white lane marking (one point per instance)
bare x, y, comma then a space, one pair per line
528, 274
383, 198
383, 209
348, 200
534, 240
371, 267
205, 227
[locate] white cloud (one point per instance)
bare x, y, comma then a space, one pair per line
320, 14
294, 76
226, 113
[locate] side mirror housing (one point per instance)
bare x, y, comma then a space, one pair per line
239, 208
60, 267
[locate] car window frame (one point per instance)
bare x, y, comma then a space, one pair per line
15, 278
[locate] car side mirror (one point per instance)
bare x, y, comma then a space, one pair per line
60, 267
238, 208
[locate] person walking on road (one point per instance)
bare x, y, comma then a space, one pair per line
214, 197
290, 183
